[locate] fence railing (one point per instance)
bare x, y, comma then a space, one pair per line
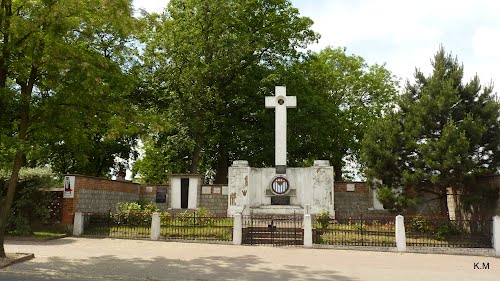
304, 230
442, 232
133, 225
186, 226
190, 226
279, 230
354, 231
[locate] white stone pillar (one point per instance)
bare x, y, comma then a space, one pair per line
308, 241
237, 229
496, 235
155, 226
78, 224
400, 233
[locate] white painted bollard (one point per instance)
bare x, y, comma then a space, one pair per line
496, 235
308, 236
400, 233
155, 226
237, 229
78, 224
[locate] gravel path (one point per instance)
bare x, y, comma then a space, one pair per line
115, 259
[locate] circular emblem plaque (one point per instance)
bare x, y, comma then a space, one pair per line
280, 185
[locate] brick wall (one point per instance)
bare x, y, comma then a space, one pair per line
93, 200
97, 195
215, 203
356, 202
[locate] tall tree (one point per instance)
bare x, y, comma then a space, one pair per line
197, 55
56, 54
443, 134
339, 95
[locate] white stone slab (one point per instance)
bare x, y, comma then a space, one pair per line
206, 189
351, 187
225, 190
216, 190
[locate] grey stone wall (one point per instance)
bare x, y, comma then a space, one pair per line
354, 204
91, 200
215, 203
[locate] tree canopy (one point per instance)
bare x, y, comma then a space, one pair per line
63, 72
443, 133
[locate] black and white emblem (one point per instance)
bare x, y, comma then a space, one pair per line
280, 185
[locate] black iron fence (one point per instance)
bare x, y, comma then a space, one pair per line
277, 230
354, 231
130, 225
193, 226
442, 232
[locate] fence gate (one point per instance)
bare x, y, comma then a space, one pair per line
277, 230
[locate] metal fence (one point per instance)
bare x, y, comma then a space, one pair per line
442, 232
192, 226
354, 231
132, 225
277, 230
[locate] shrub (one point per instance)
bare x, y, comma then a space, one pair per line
323, 219
133, 213
31, 200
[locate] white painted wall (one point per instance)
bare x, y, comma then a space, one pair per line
175, 188
193, 192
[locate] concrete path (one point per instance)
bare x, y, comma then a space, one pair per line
115, 259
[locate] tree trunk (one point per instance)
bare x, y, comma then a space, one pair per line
222, 165
195, 159
24, 108
338, 172
18, 163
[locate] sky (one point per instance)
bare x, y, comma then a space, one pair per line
403, 34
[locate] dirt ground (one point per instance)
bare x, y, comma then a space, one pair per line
115, 259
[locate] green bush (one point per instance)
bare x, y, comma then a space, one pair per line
31, 200
323, 219
133, 213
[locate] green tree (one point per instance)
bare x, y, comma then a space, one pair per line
197, 55
338, 97
56, 56
443, 134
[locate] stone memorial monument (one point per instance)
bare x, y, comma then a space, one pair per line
280, 190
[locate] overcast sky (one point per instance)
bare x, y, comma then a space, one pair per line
404, 34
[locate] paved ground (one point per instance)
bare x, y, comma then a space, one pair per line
114, 259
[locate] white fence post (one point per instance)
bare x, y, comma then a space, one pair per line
400, 233
155, 226
78, 224
237, 229
496, 235
308, 241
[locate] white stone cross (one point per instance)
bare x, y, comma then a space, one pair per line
280, 102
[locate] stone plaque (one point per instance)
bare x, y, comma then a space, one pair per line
351, 187
225, 190
216, 190
280, 200
206, 189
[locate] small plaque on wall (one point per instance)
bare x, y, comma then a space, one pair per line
225, 190
351, 187
206, 189
69, 187
216, 190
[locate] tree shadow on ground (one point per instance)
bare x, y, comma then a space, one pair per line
110, 267
59, 241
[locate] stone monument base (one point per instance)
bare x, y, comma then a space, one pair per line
277, 210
